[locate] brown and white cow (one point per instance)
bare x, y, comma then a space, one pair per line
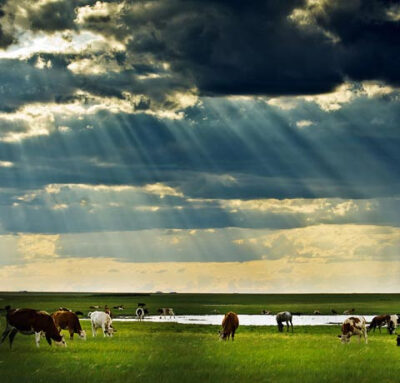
353, 326
379, 321
28, 322
166, 311
230, 323
67, 320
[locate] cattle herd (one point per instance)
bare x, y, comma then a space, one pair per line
29, 321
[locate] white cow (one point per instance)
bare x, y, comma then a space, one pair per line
140, 313
392, 325
100, 319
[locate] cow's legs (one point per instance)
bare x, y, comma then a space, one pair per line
233, 335
37, 338
291, 324
12, 336
365, 337
71, 334
93, 330
5, 333
287, 326
104, 329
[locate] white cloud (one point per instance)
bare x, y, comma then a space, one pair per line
304, 123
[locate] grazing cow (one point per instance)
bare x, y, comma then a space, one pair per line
334, 312
141, 304
284, 316
120, 307
317, 312
265, 312
393, 324
100, 319
379, 321
67, 320
230, 323
353, 326
28, 322
348, 312
166, 311
140, 311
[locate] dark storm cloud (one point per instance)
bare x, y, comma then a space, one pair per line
231, 47
234, 47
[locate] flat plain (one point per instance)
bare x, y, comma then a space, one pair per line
168, 352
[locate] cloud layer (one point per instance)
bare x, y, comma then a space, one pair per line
199, 131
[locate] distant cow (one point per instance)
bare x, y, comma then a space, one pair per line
108, 311
353, 326
230, 323
120, 307
166, 311
141, 304
67, 320
379, 321
140, 311
100, 319
28, 322
317, 312
348, 312
334, 312
94, 307
284, 316
393, 323
265, 312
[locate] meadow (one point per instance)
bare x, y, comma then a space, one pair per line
169, 352
165, 352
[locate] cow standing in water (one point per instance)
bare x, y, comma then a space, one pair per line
67, 320
353, 326
284, 316
29, 322
230, 323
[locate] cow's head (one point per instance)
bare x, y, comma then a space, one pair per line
345, 338
109, 331
82, 334
222, 335
61, 342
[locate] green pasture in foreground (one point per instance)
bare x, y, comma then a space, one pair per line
209, 303
166, 352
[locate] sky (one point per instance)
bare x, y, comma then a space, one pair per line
200, 146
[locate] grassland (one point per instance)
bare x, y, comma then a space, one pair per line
210, 303
165, 352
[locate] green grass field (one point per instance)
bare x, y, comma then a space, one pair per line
152, 352
210, 303
168, 352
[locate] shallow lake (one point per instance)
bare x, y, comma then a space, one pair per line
249, 320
